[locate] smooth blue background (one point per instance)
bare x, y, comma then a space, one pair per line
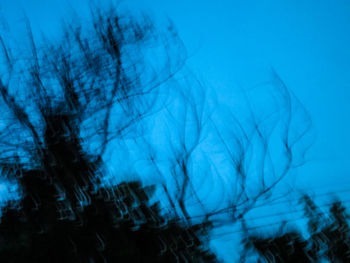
233, 45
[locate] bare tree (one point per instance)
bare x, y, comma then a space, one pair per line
64, 106
68, 104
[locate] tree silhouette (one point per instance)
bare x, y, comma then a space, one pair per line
69, 103
66, 213
329, 238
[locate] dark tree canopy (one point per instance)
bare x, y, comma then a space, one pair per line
66, 213
328, 238
67, 104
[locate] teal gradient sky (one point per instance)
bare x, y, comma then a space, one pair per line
233, 44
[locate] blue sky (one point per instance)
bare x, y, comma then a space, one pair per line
234, 44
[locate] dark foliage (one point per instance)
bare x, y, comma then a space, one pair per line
66, 213
67, 104
329, 238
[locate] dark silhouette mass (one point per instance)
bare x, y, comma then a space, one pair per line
67, 104
328, 238
66, 213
